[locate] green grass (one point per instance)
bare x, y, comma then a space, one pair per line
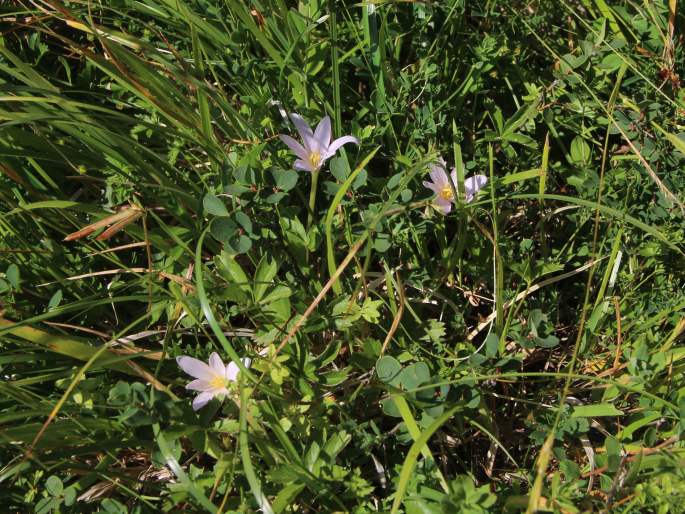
523, 353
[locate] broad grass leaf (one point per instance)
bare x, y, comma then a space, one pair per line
264, 275
595, 411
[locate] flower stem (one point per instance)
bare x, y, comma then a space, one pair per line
312, 204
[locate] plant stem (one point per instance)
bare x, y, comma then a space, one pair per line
312, 204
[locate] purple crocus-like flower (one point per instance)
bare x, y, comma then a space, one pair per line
440, 185
212, 379
317, 147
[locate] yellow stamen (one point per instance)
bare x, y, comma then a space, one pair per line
446, 193
314, 159
218, 382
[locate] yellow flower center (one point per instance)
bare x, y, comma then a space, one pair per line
314, 159
218, 382
446, 193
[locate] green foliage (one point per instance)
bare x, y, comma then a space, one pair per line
149, 210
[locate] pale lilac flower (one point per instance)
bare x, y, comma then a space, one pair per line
317, 147
211, 379
440, 185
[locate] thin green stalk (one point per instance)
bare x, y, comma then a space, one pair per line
255, 484
542, 186
499, 274
337, 117
376, 46
176, 468
312, 204
415, 432
209, 314
328, 223
413, 454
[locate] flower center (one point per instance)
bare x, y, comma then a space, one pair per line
446, 193
315, 159
218, 382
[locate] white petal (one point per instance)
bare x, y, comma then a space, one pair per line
201, 400
199, 385
303, 129
322, 135
194, 367
216, 364
473, 185
430, 185
232, 371
296, 147
301, 165
333, 147
444, 205
438, 176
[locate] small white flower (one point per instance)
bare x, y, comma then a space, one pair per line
212, 379
440, 185
317, 147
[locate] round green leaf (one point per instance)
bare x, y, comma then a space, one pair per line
390, 409
382, 242
223, 229
238, 244
69, 496
339, 169
414, 375
54, 485
580, 151
285, 179
213, 205
244, 221
12, 275
388, 369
